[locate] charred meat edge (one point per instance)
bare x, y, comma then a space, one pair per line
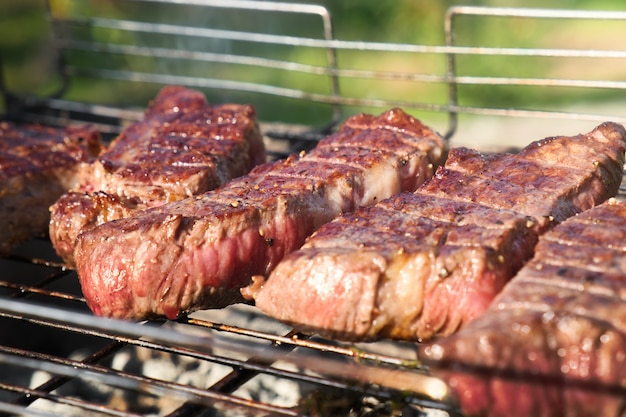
425, 264
198, 252
182, 147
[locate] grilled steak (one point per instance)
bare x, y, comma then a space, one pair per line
423, 264
37, 165
198, 252
181, 148
552, 342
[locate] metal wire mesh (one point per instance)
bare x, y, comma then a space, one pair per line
241, 353
239, 55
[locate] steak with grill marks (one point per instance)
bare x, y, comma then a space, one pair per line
198, 252
181, 148
552, 342
37, 165
424, 264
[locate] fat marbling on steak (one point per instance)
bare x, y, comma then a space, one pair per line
198, 252
182, 147
424, 264
553, 342
37, 165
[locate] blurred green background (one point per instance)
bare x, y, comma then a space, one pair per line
29, 60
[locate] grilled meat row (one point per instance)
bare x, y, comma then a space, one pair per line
552, 342
182, 147
37, 165
198, 252
424, 264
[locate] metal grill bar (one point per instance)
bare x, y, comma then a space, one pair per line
86, 324
231, 35
458, 11
171, 340
86, 372
60, 399
335, 73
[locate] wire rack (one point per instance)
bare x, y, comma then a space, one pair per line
58, 359
216, 46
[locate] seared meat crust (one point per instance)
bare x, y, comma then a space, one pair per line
37, 165
424, 264
552, 342
198, 252
181, 148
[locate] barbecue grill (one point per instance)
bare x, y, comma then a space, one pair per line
58, 359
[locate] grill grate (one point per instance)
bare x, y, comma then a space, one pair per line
57, 359
246, 351
169, 42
